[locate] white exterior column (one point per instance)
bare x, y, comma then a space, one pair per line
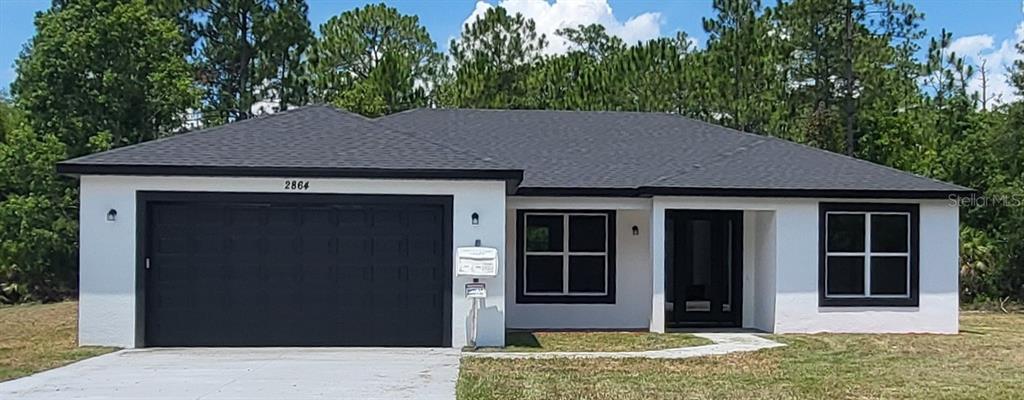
658, 266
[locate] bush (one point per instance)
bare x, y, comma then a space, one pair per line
37, 219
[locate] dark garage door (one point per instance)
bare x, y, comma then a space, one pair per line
297, 270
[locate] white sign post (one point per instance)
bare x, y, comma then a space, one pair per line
476, 262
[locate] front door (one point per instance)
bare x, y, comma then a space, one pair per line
703, 268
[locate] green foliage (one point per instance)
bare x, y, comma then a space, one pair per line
37, 219
98, 74
374, 61
284, 35
104, 66
250, 50
592, 40
492, 60
390, 87
744, 87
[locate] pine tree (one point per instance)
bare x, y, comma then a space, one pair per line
491, 60
741, 84
283, 37
249, 51
374, 60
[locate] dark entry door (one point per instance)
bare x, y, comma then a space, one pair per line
703, 268
297, 270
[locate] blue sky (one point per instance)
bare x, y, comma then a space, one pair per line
985, 30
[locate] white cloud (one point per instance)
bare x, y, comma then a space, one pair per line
971, 44
982, 50
552, 16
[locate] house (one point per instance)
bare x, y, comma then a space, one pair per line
319, 227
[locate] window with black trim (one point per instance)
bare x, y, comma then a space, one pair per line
868, 254
565, 256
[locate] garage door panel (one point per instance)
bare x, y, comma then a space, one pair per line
353, 248
171, 244
176, 269
385, 219
320, 293
352, 217
208, 243
169, 216
355, 298
213, 267
318, 220
426, 273
389, 247
424, 248
354, 275
243, 246
422, 219
246, 216
312, 246
318, 274
176, 297
281, 246
424, 301
298, 273
385, 273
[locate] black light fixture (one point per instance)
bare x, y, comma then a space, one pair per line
475, 218
636, 231
112, 215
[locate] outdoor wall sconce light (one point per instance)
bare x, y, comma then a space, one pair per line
636, 231
475, 218
112, 215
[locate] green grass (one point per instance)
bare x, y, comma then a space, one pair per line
985, 361
36, 337
595, 341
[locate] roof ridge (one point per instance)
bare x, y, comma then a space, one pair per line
489, 110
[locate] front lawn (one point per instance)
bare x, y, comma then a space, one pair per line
35, 337
596, 341
985, 361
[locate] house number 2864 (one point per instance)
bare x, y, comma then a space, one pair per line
296, 185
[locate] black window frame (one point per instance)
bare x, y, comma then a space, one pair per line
912, 300
523, 298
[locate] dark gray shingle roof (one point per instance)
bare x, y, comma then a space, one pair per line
314, 139
654, 152
554, 152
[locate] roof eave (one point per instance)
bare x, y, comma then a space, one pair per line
745, 192
809, 193
513, 176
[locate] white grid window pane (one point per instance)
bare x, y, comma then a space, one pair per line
565, 254
867, 254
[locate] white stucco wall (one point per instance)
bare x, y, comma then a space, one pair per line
785, 263
797, 309
107, 311
632, 270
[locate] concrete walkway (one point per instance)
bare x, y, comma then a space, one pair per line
248, 373
724, 343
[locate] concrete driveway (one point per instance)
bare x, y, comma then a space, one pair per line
249, 373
